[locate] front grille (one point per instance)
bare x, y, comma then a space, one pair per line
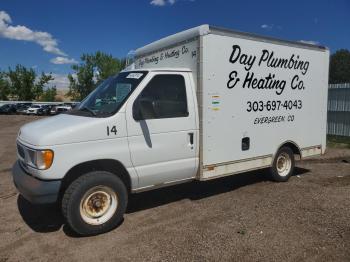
20, 151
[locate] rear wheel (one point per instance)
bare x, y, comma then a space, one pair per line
95, 203
283, 165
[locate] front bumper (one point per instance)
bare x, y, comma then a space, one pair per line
34, 190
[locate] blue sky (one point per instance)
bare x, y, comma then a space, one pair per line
50, 35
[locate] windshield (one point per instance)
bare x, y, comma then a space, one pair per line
110, 95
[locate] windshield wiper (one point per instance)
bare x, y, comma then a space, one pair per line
85, 108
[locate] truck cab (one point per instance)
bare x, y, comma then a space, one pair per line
138, 129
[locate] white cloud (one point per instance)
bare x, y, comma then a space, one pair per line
131, 52
158, 2
20, 32
59, 60
269, 27
166, 2
310, 42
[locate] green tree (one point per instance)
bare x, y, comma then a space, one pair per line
24, 85
94, 69
107, 65
83, 82
340, 67
4, 87
49, 94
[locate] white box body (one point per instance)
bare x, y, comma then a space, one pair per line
289, 104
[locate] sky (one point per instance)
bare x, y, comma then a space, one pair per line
49, 36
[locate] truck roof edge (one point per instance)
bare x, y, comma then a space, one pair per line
172, 39
207, 29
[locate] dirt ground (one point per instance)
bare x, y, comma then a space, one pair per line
240, 218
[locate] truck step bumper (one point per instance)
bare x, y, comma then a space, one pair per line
34, 190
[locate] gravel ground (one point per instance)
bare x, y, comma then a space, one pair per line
240, 218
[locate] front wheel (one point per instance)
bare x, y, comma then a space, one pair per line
95, 203
283, 165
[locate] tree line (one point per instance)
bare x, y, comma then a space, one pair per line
25, 84
22, 83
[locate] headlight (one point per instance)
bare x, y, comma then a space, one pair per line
44, 159
40, 159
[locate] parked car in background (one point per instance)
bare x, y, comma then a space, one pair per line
33, 110
24, 104
8, 109
75, 104
60, 109
71, 104
22, 108
45, 110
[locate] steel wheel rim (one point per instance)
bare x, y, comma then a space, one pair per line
283, 164
98, 205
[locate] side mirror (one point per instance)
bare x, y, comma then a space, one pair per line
143, 109
136, 110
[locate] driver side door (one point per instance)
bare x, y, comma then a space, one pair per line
162, 130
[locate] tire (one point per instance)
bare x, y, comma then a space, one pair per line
94, 203
283, 165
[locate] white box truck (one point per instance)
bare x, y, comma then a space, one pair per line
201, 104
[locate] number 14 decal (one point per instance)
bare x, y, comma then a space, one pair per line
110, 130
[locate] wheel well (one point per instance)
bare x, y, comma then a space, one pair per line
109, 165
292, 146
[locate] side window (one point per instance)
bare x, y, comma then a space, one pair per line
163, 97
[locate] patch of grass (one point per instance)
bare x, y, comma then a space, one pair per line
338, 141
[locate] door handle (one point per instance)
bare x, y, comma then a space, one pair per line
191, 139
